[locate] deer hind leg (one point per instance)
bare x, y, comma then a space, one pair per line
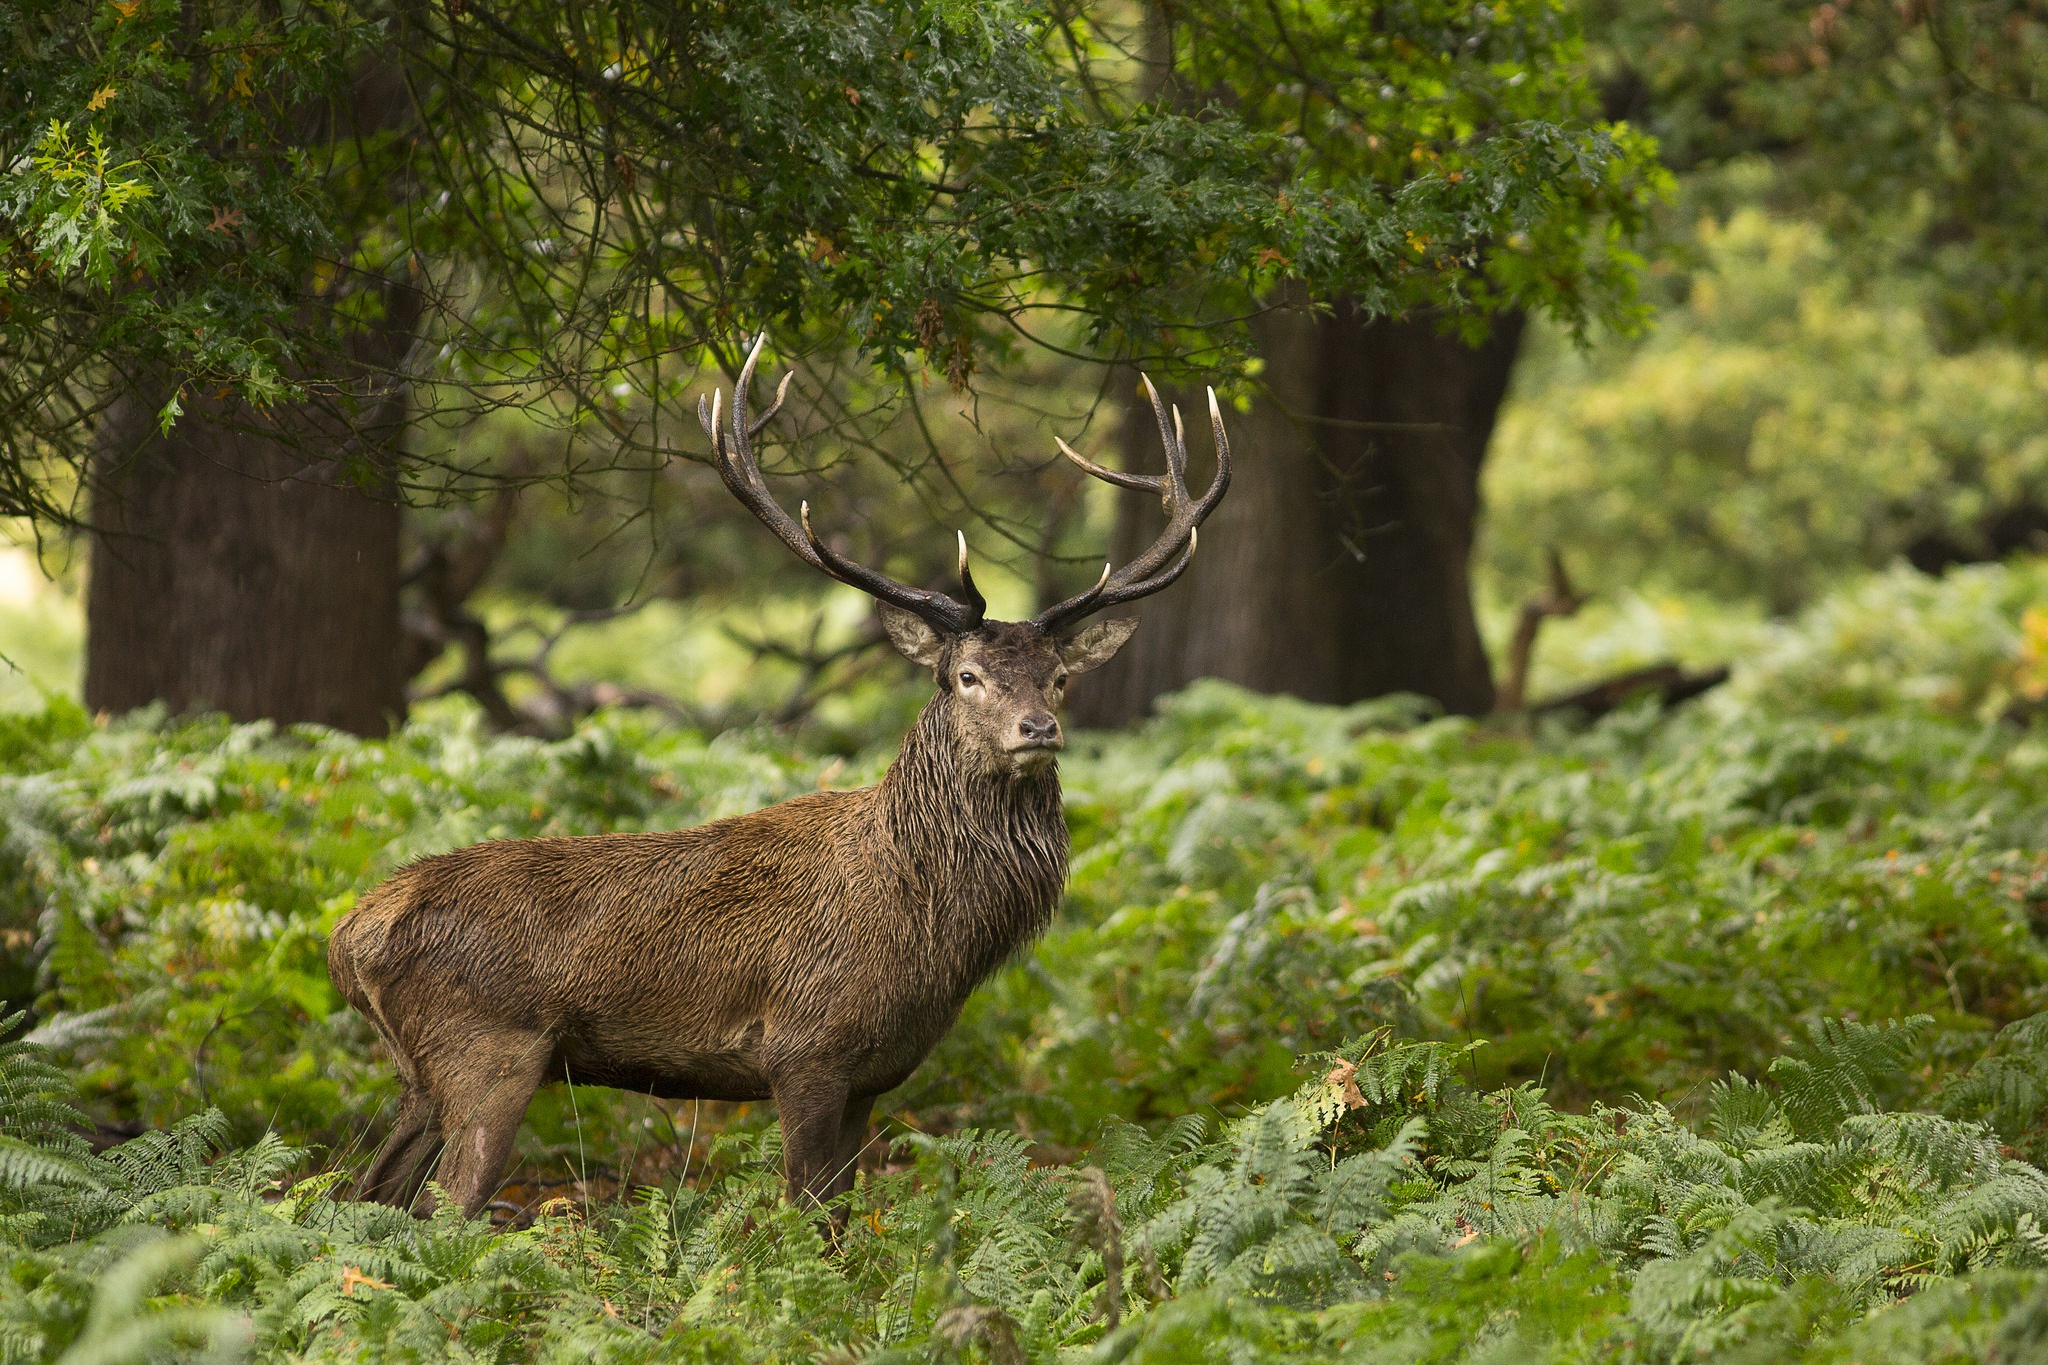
482, 1099
401, 1164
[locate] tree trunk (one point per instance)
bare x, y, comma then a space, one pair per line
1338, 568
228, 576
248, 562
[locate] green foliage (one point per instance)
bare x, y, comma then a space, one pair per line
74, 202
1777, 433
572, 207
1366, 1036
131, 230
1410, 103
1489, 1226
1917, 132
915, 169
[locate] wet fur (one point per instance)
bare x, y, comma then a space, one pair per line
812, 953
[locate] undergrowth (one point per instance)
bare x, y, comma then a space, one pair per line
1385, 1211
1364, 1035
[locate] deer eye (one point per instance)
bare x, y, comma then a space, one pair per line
1060, 681
969, 680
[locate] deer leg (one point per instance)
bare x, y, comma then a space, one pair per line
393, 1176
483, 1101
421, 1159
810, 1111
853, 1139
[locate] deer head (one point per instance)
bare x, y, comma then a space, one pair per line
1006, 679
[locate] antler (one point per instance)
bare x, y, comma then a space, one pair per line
734, 453
1158, 566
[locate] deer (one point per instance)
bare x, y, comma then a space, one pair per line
812, 953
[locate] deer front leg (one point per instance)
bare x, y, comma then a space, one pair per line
811, 1108
394, 1177
483, 1100
853, 1139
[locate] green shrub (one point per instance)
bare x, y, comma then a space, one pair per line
1781, 430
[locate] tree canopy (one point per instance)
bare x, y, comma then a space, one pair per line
592, 199
1917, 131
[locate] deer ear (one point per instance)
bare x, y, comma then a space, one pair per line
1095, 645
914, 640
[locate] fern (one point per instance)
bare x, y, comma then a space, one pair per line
38, 1107
1842, 1069
1281, 1233
1626, 912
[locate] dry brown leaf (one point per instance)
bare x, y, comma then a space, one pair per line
1343, 1080
351, 1277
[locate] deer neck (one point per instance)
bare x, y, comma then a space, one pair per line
983, 853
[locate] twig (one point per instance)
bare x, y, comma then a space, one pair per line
1559, 599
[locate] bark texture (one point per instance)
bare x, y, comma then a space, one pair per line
230, 574
1339, 566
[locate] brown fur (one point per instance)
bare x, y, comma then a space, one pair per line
812, 953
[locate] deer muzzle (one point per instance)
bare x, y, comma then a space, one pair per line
1036, 741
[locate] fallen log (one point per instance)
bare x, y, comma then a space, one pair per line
1669, 681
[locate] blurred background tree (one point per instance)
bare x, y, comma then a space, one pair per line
1847, 371
1782, 429
1915, 132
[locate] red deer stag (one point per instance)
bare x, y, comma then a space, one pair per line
813, 952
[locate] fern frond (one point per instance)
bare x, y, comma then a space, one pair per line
165, 1159
1739, 1111
1354, 1191
1932, 1150
1841, 1069
24, 1166
38, 1104
1790, 1172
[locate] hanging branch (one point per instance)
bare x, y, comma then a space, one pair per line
815, 678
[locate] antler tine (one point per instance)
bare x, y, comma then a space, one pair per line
707, 416
1221, 483
742, 476
733, 453
1216, 428
1170, 555
1177, 458
1083, 602
781, 392
1148, 483
741, 430
1175, 485
968, 591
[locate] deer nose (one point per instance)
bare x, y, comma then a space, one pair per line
1042, 728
